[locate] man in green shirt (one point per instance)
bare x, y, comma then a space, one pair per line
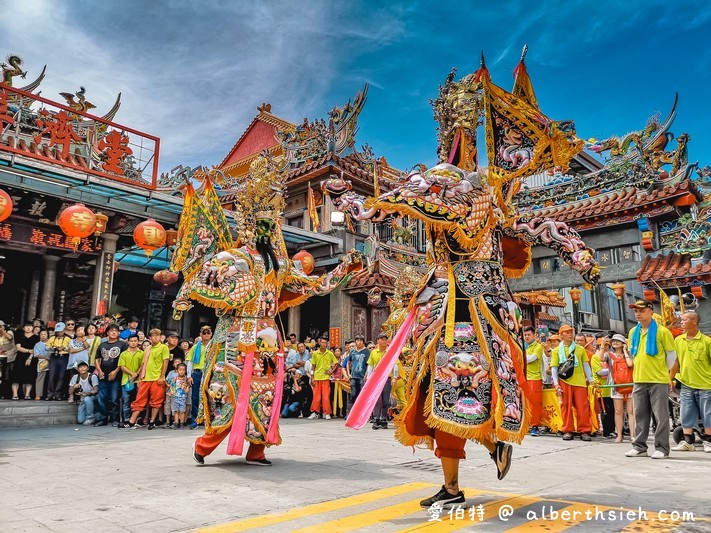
693, 352
322, 360
653, 352
380, 413
152, 377
534, 377
130, 362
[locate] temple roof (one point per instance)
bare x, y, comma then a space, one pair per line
259, 135
365, 279
629, 199
665, 267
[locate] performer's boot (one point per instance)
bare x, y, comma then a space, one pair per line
502, 457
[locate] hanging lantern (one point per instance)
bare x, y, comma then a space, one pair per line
5, 205
553, 295
306, 260
101, 221
171, 237
149, 236
78, 222
575, 295
619, 290
165, 278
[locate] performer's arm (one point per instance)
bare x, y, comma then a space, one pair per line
562, 239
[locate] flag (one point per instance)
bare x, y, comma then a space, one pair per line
313, 213
202, 226
523, 87
668, 312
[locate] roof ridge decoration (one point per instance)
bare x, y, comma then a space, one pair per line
311, 140
12, 67
638, 160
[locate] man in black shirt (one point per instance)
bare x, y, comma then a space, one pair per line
108, 371
172, 341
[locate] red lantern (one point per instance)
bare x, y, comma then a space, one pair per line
165, 278
78, 222
149, 236
5, 205
306, 259
575, 295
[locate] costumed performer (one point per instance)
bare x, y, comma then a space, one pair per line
463, 324
248, 283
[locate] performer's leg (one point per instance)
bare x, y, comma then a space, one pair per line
255, 452
206, 444
316, 402
326, 396
535, 388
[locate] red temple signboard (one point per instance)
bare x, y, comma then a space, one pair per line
45, 238
34, 127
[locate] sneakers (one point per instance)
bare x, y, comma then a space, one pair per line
376, 424
634, 452
138, 425
502, 457
259, 462
707, 446
534, 431
659, 455
327, 417
100, 423
126, 425
88, 422
313, 416
444, 498
684, 446
151, 425
199, 459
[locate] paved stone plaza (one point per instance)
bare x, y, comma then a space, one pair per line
329, 478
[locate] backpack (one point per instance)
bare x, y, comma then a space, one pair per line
621, 373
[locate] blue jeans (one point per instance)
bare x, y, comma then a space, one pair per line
197, 381
356, 387
290, 409
109, 399
86, 409
126, 399
695, 404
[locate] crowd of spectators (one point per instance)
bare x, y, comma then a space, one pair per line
123, 377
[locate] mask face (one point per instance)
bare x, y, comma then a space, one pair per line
265, 229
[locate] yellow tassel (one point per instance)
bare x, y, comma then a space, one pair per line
451, 308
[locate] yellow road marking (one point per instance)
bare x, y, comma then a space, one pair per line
309, 510
491, 510
376, 516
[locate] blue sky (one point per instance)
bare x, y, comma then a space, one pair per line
193, 73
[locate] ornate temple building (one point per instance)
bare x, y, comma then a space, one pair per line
75, 189
646, 214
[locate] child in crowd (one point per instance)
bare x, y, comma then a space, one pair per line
179, 389
169, 395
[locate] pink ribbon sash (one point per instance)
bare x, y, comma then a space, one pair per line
273, 433
235, 443
368, 397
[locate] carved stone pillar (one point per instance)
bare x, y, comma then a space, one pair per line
49, 285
